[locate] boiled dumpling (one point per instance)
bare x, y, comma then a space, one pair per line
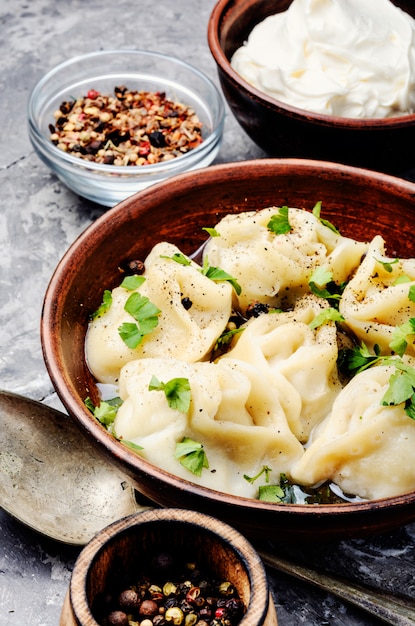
275, 269
366, 448
188, 332
284, 344
234, 412
375, 301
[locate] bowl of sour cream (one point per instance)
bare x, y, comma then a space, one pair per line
329, 79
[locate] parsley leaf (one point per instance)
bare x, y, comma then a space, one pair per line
401, 388
176, 390
411, 293
400, 334
191, 455
283, 492
178, 257
212, 232
217, 274
265, 470
226, 337
145, 313
316, 213
322, 285
279, 223
132, 282
403, 278
387, 264
106, 411
104, 306
271, 493
359, 358
326, 315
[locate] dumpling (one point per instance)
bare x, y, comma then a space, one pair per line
194, 312
375, 301
366, 448
284, 344
274, 269
234, 412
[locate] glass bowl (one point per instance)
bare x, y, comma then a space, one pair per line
138, 70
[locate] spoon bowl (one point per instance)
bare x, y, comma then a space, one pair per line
52, 479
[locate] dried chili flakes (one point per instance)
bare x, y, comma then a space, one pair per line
128, 128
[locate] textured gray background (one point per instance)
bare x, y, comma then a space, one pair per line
40, 218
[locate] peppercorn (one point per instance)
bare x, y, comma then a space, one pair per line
128, 600
117, 618
148, 608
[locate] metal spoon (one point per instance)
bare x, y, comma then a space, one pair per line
55, 482
51, 478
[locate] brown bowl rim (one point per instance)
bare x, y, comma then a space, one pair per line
214, 23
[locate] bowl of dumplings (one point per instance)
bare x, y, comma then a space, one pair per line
241, 342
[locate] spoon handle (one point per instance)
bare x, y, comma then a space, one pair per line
390, 609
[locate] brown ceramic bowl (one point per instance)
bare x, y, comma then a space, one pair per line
120, 552
361, 203
286, 131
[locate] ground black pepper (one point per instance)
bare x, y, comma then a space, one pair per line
128, 128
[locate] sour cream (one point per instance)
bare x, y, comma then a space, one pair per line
351, 58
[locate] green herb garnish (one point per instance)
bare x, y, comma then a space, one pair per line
400, 335
387, 265
322, 285
104, 306
106, 411
176, 390
326, 315
279, 223
178, 257
212, 232
145, 313
218, 275
191, 455
359, 358
316, 213
265, 470
226, 337
130, 283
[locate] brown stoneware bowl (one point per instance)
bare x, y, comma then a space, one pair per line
286, 131
359, 202
116, 557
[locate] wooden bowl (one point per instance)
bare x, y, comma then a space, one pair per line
120, 551
359, 202
286, 131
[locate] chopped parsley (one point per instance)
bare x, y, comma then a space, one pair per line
279, 223
178, 257
316, 212
146, 315
104, 306
106, 411
322, 285
191, 455
217, 274
212, 232
176, 390
265, 470
226, 337
326, 315
387, 265
130, 283
400, 336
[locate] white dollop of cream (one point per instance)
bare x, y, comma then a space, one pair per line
336, 57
